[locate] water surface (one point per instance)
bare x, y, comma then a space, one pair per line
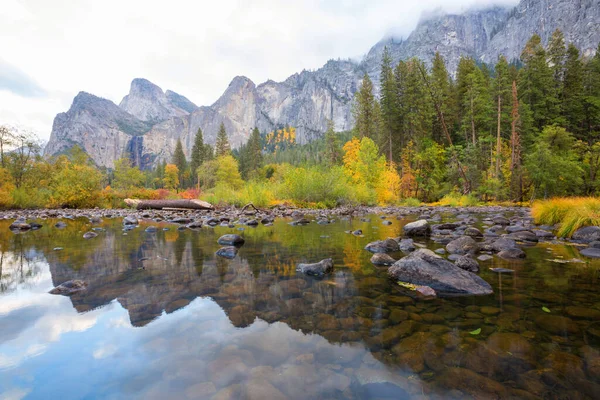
163, 317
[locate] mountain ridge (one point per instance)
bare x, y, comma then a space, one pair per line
307, 99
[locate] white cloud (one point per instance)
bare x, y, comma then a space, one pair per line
192, 47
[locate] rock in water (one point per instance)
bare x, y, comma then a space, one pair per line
417, 228
383, 246
227, 252
129, 220
231, 240
19, 225
463, 245
586, 234
89, 235
69, 287
382, 259
424, 267
406, 245
512, 254
317, 269
467, 263
591, 252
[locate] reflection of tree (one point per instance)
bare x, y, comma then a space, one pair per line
19, 265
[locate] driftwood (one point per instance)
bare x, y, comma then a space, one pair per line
169, 204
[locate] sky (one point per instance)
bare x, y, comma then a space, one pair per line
51, 50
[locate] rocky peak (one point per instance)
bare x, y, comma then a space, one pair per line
148, 102
180, 101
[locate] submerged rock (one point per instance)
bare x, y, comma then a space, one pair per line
417, 228
424, 267
512, 254
69, 287
317, 269
227, 252
89, 235
382, 259
231, 240
591, 252
20, 225
406, 245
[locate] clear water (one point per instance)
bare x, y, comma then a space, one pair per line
163, 317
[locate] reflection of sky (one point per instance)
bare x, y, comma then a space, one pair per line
46, 348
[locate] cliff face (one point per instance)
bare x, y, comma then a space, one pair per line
148, 122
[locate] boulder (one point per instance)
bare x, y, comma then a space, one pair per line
227, 252
129, 220
60, 225
499, 220
591, 252
467, 263
463, 245
417, 228
424, 267
512, 254
473, 232
586, 234
383, 246
523, 236
69, 287
316, 269
19, 225
382, 259
231, 239
503, 244
406, 245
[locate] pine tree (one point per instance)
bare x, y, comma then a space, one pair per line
442, 85
197, 155
502, 94
556, 56
364, 110
332, 145
180, 162
536, 85
572, 95
388, 142
222, 147
250, 155
592, 97
476, 105
516, 182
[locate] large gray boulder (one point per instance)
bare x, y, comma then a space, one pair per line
424, 267
231, 239
417, 228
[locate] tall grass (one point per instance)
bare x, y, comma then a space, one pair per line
571, 213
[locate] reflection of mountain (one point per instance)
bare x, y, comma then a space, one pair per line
177, 272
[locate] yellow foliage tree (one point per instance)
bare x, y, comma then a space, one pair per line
388, 189
171, 179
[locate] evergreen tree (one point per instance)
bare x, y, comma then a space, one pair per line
332, 145
364, 110
388, 142
591, 102
502, 89
180, 162
556, 56
536, 85
442, 85
250, 155
516, 177
476, 103
572, 95
222, 147
198, 155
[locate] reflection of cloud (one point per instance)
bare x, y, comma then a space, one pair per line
12, 361
104, 351
15, 394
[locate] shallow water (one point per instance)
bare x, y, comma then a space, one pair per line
163, 317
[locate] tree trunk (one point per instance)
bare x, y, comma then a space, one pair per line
160, 204
498, 141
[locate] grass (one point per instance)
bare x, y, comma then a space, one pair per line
457, 200
570, 213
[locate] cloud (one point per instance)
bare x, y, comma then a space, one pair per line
192, 47
14, 80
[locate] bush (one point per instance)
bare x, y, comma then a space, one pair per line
454, 199
570, 213
411, 202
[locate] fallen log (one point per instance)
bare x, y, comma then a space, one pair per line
162, 204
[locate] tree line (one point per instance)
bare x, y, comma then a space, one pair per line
511, 131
